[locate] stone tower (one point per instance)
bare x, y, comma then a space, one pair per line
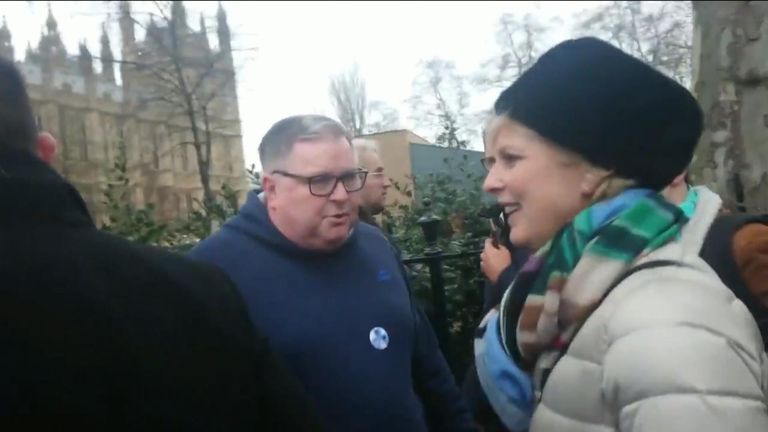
6, 45
98, 116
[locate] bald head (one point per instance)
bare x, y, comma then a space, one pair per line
374, 194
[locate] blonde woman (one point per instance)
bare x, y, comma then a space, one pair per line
615, 324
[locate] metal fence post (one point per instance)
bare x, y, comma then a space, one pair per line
430, 224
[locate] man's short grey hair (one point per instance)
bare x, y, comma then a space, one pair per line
279, 140
363, 146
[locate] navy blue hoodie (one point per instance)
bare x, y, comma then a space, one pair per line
344, 322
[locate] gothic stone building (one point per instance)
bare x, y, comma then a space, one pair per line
96, 119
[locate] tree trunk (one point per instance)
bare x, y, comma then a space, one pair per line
191, 104
730, 72
206, 158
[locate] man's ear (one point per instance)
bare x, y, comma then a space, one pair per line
46, 147
269, 187
268, 184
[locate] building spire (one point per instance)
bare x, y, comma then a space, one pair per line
179, 14
107, 58
127, 30
104, 37
204, 30
5, 33
50, 23
52, 50
6, 45
30, 54
85, 60
222, 29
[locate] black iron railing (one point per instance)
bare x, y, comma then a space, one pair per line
434, 258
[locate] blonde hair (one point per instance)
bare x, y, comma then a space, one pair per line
610, 186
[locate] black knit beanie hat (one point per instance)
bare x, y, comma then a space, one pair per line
612, 109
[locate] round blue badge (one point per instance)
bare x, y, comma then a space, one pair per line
379, 338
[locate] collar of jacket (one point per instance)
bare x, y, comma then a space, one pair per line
34, 193
366, 216
695, 231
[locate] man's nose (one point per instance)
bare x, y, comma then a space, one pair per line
339, 193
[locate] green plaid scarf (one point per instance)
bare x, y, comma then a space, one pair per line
566, 279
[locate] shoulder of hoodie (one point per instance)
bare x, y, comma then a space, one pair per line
368, 231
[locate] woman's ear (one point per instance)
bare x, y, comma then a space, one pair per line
593, 181
680, 180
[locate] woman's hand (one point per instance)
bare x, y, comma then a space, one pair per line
494, 260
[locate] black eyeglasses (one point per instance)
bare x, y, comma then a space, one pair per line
487, 163
323, 185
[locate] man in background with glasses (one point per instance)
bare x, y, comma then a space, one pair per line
329, 293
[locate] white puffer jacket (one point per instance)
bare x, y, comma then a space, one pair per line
669, 350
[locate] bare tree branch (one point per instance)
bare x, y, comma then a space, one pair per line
439, 102
349, 97
183, 84
381, 117
518, 40
659, 33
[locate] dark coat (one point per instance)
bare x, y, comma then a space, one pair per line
98, 332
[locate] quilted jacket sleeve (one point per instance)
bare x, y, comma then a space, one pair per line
684, 356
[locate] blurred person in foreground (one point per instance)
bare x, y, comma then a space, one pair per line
101, 333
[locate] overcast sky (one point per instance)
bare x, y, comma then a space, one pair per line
299, 45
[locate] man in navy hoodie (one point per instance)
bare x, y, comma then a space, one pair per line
330, 293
